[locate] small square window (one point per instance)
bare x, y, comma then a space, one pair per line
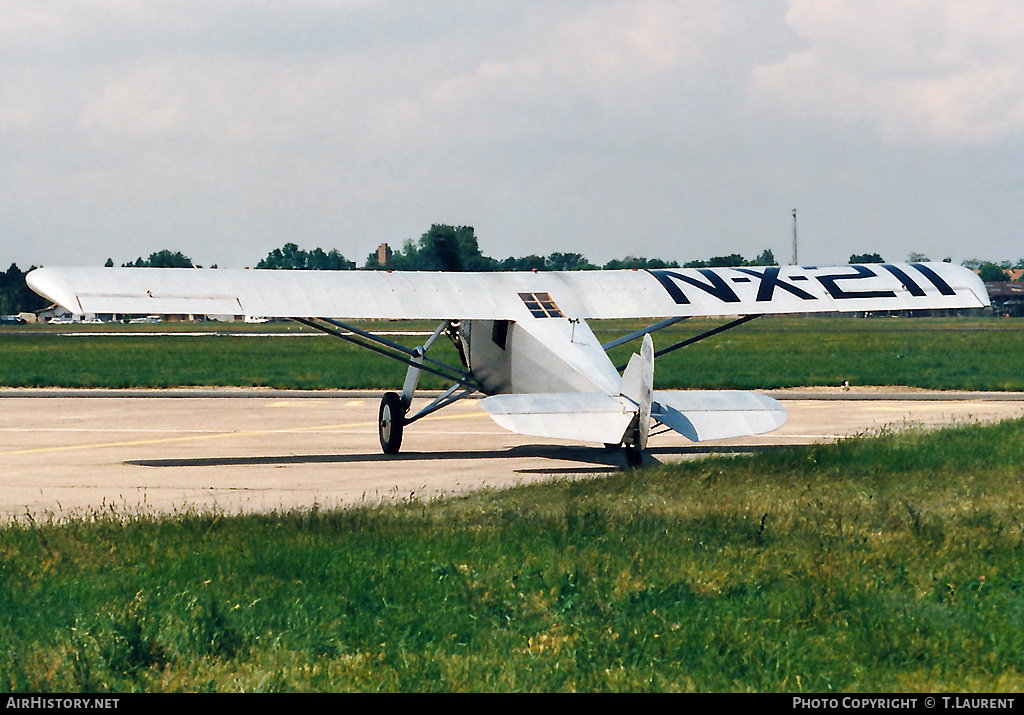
541, 305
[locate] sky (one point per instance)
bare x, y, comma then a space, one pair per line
672, 129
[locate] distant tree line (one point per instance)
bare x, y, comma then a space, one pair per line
449, 248
291, 257
15, 295
160, 259
455, 248
996, 272
991, 272
767, 258
988, 271
866, 258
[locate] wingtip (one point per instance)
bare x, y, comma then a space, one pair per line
46, 282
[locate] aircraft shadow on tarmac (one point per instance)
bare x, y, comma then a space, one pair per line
603, 458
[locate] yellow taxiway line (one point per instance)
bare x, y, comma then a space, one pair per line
219, 435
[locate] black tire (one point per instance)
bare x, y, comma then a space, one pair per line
390, 422
634, 456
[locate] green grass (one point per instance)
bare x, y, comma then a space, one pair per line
773, 352
304, 361
779, 352
881, 564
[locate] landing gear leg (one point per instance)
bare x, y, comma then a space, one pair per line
391, 421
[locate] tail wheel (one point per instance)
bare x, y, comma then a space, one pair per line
634, 456
390, 423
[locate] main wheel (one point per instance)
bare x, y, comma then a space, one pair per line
390, 423
634, 456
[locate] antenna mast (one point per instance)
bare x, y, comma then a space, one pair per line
795, 262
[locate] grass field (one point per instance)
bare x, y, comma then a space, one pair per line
776, 352
887, 564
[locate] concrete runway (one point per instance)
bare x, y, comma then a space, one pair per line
71, 453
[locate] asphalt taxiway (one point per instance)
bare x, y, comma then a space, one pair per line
73, 453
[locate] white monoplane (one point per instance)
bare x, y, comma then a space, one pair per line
523, 338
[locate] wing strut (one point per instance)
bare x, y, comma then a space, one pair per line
697, 338
645, 331
394, 407
414, 360
442, 401
412, 378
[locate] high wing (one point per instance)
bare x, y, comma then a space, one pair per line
664, 293
523, 339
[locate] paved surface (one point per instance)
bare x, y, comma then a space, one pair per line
65, 453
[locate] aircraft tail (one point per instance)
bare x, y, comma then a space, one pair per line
577, 416
698, 415
586, 416
701, 415
638, 386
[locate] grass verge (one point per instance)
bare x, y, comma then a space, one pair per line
885, 563
772, 352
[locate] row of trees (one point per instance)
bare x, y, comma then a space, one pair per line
160, 259
444, 248
995, 272
448, 248
291, 257
455, 248
15, 295
988, 272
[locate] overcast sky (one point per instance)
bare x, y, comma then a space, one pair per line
671, 129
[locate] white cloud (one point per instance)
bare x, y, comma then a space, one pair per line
947, 71
223, 128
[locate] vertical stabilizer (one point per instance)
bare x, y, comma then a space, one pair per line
638, 386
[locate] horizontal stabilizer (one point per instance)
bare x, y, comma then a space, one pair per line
581, 417
701, 415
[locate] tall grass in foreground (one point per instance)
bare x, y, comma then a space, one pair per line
890, 563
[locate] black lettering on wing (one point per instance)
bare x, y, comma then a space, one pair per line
715, 285
935, 278
831, 283
913, 288
770, 280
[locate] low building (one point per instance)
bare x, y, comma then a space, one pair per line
53, 311
1007, 298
